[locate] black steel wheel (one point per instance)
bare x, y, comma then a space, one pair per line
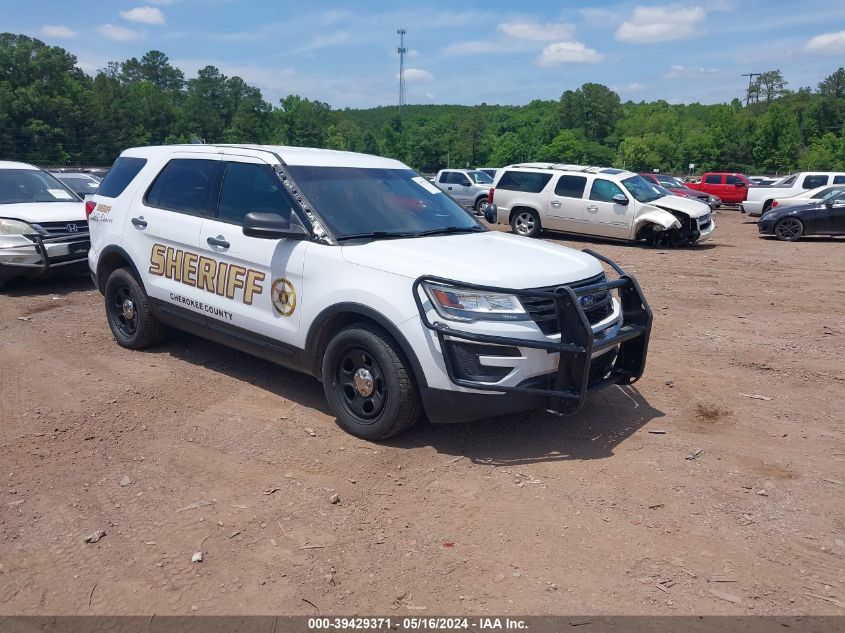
131, 319
789, 229
369, 383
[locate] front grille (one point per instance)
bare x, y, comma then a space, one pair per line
704, 221
56, 229
542, 311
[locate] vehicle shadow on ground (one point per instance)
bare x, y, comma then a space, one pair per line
294, 386
58, 285
607, 419
591, 240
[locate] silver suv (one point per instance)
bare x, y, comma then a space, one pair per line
469, 187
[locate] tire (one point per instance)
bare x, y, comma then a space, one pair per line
526, 222
133, 325
369, 384
789, 229
479, 204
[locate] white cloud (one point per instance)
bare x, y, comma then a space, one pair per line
827, 43
660, 24
598, 16
118, 33
536, 32
568, 53
145, 15
57, 30
683, 72
417, 74
634, 86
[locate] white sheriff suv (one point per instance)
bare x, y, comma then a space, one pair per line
360, 272
600, 201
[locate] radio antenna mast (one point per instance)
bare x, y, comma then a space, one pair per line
401, 50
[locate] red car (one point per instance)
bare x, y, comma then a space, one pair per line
679, 188
731, 187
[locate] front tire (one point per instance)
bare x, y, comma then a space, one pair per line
526, 222
479, 206
369, 384
129, 313
789, 229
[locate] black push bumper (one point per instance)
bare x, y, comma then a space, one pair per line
77, 252
566, 390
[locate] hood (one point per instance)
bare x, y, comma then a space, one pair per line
488, 259
693, 208
693, 193
35, 212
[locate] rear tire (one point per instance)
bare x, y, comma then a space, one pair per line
789, 229
369, 384
526, 222
129, 313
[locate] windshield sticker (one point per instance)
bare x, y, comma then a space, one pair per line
283, 295
60, 194
430, 187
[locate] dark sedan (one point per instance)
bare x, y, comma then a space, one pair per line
791, 223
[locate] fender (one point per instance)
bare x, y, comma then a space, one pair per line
314, 336
113, 249
659, 217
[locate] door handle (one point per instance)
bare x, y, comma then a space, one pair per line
139, 223
219, 241
592, 207
449, 188
555, 203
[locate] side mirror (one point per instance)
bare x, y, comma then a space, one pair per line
620, 198
466, 183
272, 226
739, 184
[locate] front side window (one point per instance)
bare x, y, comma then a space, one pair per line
525, 181
643, 190
713, 179
386, 203
814, 180
480, 178
571, 186
248, 188
668, 182
604, 190
458, 178
732, 180
185, 185
32, 185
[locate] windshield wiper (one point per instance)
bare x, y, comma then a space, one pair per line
375, 235
451, 230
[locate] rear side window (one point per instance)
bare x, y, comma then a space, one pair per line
526, 181
571, 186
120, 175
248, 187
713, 179
814, 180
604, 190
444, 177
838, 180
185, 185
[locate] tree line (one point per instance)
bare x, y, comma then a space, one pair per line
51, 112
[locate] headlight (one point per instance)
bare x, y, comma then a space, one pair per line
460, 304
712, 198
16, 227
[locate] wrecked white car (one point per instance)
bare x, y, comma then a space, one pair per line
600, 201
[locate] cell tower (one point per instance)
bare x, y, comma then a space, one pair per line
401, 50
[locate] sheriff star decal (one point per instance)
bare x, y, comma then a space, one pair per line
283, 295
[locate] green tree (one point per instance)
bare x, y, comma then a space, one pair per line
834, 84
776, 140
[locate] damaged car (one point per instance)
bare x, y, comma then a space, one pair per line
598, 201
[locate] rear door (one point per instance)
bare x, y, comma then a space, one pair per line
257, 283
715, 184
604, 216
163, 226
566, 203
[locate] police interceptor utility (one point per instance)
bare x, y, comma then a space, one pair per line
358, 271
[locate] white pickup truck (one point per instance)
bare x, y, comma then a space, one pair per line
760, 198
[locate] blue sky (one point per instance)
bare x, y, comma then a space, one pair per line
493, 51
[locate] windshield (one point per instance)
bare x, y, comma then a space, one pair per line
78, 183
32, 185
643, 190
832, 194
480, 178
353, 201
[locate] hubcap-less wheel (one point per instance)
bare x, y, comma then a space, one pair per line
789, 229
525, 223
362, 383
123, 310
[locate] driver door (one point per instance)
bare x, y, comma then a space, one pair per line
262, 283
605, 216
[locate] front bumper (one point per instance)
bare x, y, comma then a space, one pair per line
587, 361
36, 254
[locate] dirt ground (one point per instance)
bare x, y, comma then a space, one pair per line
194, 447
